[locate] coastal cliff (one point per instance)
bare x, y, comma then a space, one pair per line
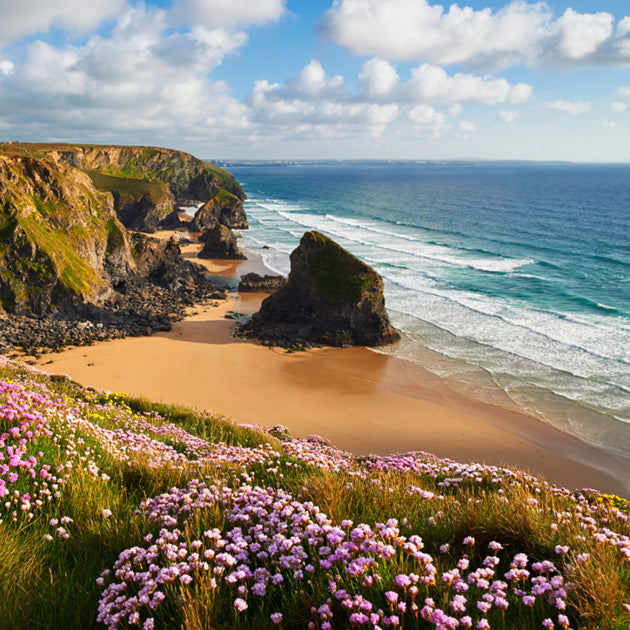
61, 242
65, 257
146, 183
331, 297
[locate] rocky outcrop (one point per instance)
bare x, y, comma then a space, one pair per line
331, 297
255, 283
161, 261
225, 208
146, 182
219, 242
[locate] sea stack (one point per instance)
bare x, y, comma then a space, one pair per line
331, 297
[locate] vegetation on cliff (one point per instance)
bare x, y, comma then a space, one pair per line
59, 237
146, 182
118, 512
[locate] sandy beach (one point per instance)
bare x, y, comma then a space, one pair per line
363, 401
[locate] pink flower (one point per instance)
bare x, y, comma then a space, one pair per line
276, 618
240, 604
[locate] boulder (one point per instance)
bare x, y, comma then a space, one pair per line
255, 283
331, 297
219, 242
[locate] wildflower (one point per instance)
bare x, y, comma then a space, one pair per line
240, 604
276, 618
106, 513
391, 596
547, 623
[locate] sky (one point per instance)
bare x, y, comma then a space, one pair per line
318, 79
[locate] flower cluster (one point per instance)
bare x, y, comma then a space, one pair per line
375, 577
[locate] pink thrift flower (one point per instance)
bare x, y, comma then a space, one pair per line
240, 604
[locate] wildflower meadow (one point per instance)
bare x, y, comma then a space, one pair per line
116, 512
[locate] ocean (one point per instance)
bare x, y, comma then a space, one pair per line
511, 281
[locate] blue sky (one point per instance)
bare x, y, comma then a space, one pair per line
289, 79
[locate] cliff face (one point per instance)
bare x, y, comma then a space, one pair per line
61, 243
146, 182
331, 297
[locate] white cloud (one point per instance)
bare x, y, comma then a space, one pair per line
141, 79
378, 78
624, 91
431, 84
508, 117
30, 17
313, 102
228, 14
618, 107
429, 117
416, 30
571, 107
581, 34
6, 67
312, 82
467, 126
609, 124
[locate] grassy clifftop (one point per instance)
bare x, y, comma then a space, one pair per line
186, 175
118, 512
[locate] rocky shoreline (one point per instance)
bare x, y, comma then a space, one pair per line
143, 310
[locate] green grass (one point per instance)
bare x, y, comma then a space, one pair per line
74, 272
131, 188
339, 275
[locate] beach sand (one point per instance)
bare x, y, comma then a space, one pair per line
363, 401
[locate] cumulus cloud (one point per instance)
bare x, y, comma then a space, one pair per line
38, 16
571, 107
313, 101
581, 34
618, 107
431, 84
378, 78
624, 91
414, 30
312, 82
141, 77
508, 117
235, 13
609, 124
427, 116
6, 67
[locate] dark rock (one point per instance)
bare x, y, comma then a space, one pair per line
254, 283
225, 208
331, 297
172, 221
219, 242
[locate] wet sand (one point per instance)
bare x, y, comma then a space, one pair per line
363, 401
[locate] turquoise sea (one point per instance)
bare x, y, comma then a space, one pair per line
509, 280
